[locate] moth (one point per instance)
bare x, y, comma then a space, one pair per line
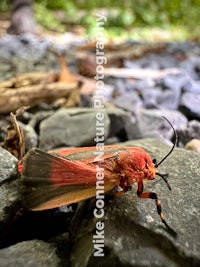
68, 176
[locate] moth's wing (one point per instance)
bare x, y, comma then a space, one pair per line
51, 181
39, 166
68, 151
89, 154
51, 197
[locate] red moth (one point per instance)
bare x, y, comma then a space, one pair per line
69, 176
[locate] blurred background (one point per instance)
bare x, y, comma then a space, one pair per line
150, 20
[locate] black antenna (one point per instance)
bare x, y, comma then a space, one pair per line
175, 143
163, 176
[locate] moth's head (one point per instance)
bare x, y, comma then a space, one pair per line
143, 167
137, 164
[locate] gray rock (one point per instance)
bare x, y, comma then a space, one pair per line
27, 53
9, 187
189, 132
134, 234
129, 101
168, 100
39, 116
71, 127
33, 253
118, 120
63, 245
166, 95
144, 84
25, 46
119, 85
172, 86
30, 136
150, 96
190, 105
183, 48
174, 82
150, 124
192, 86
191, 67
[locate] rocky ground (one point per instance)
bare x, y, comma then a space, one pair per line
134, 235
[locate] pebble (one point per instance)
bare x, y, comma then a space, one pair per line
30, 254
188, 132
193, 145
149, 123
10, 187
190, 105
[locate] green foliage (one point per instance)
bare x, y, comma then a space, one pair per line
121, 14
47, 19
132, 12
4, 5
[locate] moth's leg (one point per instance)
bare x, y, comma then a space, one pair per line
153, 195
120, 191
119, 194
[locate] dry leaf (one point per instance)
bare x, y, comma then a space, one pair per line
65, 74
14, 141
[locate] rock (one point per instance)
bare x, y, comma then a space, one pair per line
28, 53
190, 105
129, 101
118, 84
86, 101
112, 140
191, 67
189, 132
149, 123
63, 245
40, 116
3, 129
192, 86
33, 253
183, 48
174, 82
71, 127
118, 120
10, 187
166, 99
193, 145
171, 93
22, 18
43, 225
153, 61
30, 136
144, 84
150, 96
134, 234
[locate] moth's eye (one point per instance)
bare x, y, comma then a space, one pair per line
154, 161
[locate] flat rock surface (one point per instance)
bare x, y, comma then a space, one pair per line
134, 234
33, 253
9, 189
71, 127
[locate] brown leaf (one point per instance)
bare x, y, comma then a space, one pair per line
14, 140
65, 74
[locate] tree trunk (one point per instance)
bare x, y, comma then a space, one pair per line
22, 18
